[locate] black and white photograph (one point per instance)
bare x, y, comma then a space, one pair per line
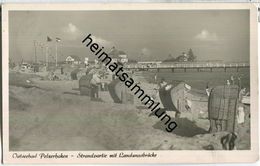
136, 81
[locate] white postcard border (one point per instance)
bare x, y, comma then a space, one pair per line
181, 156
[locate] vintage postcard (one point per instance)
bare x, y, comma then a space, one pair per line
130, 83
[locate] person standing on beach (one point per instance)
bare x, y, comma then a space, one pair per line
232, 80
241, 94
162, 83
207, 89
95, 81
228, 82
239, 81
155, 78
241, 109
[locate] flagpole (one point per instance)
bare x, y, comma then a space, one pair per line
47, 51
42, 49
35, 53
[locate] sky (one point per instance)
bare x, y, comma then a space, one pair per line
143, 35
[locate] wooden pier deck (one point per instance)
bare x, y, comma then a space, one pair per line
185, 66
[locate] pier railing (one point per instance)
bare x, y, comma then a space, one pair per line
187, 65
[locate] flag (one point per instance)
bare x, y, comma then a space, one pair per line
49, 39
58, 39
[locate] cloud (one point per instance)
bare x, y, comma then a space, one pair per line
205, 35
70, 28
145, 52
71, 31
102, 42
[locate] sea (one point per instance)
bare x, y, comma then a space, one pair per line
200, 80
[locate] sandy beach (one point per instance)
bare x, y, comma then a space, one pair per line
51, 115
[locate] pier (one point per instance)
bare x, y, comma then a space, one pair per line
199, 66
